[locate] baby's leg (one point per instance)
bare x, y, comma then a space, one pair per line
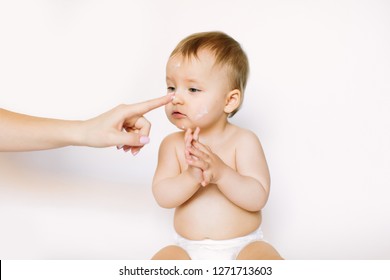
259, 250
171, 252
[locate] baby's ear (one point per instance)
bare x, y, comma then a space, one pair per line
233, 100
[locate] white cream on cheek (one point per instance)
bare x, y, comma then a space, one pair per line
202, 112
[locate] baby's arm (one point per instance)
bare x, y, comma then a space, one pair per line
248, 187
171, 187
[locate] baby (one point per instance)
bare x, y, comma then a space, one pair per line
212, 172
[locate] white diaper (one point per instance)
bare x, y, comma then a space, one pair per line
209, 249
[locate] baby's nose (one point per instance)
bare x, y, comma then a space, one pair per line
178, 98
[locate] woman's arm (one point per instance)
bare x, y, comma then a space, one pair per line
20, 132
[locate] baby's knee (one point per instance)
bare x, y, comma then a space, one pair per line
259, 250
171, 252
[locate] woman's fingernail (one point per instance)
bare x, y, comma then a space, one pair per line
135, 152
144, 140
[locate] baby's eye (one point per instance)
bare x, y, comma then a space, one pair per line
194, 90
170, 89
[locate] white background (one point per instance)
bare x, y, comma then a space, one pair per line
318, 97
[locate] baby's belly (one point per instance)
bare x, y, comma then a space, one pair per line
209, 214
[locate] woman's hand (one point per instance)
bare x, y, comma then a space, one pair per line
124, 126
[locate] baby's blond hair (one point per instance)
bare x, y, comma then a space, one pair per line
227, 51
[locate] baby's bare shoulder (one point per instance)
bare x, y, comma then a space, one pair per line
173, 138
243, 135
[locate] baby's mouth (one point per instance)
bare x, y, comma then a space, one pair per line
178, 115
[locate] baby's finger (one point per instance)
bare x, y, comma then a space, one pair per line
187, 154
196, 134
188, 137
201, 147
198, 163
206, 179
187, 140
197, 153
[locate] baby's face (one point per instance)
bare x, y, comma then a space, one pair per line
200, 90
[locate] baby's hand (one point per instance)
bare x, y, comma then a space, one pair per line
200, 156
189, 137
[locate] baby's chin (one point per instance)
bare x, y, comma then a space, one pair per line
185, 127
180, 125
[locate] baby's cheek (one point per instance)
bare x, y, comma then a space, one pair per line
201, 113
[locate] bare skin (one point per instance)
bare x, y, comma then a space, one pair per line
259, 250
213, 173
27, 133
171, 252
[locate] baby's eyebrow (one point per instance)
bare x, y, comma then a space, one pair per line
191, 80
187, 80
